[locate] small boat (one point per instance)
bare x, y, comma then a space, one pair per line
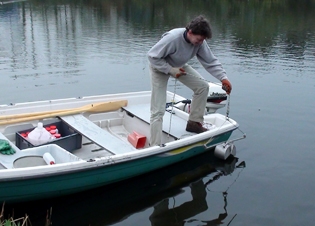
64, 146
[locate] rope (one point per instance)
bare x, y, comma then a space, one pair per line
172, 107
228, 108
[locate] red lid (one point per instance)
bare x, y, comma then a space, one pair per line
23, 134
57, 135
52, 131
48, 128
53, 127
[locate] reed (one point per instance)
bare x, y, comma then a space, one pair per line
22, 221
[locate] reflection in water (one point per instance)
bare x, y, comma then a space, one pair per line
69, 38
111, 204
164, 215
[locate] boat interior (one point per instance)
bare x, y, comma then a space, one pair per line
89, 136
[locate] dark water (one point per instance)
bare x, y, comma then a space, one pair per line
58, 49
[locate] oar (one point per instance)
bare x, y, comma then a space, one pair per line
97, 107
90, 107
24, 115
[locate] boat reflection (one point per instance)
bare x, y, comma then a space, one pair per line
114, 203
163, 215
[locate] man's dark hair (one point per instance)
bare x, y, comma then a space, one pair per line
200, 26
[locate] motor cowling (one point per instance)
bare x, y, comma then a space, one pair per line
216, 98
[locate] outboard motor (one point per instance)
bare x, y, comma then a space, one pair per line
216, 98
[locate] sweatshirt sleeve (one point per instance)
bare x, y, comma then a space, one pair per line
210, 62
159, 52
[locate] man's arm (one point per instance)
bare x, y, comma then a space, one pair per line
213, 66
210, 62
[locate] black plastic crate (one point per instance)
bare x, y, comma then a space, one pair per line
70, 140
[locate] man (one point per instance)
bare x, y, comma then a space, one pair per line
169, 57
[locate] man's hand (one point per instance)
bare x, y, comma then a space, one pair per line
227, 86
177, 72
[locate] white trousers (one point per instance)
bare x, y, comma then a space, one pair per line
192, 80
